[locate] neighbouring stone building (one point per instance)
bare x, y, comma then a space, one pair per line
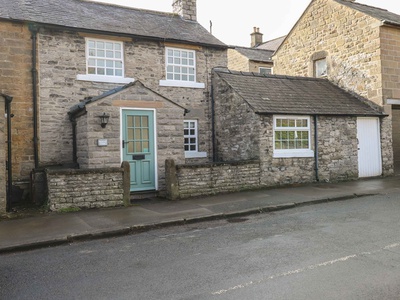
251, 59
16, 81
357, 47
300, 129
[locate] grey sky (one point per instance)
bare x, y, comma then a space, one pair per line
233, 21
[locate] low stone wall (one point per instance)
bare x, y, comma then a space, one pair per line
88, 188
185, 181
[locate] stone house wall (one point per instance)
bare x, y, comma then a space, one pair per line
390, 56
16, 81
254, 66
237, 130
62, 58
238, 62
280, 171
350, 40
169, 129
3, 178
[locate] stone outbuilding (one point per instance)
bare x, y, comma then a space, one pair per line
300, 129
356, 46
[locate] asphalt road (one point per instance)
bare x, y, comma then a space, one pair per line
338, 250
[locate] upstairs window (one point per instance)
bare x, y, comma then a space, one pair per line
181, 65
320, 68
104, 58
292, 136
264, 70
104, 61
180, 68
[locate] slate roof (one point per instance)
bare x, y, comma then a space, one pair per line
81, 14
375, 12
256, 54
272, 94
272, 45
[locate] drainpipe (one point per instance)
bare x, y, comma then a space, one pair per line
9, 159
74, 143
316, 147
34, 29
214, 151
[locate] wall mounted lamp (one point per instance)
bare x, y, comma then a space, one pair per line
104, 120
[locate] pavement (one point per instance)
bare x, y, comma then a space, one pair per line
51, 229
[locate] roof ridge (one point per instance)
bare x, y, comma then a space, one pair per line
272, 76
363, 4
99, 2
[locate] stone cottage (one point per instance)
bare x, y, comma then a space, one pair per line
357, 47
69, 54
299, 129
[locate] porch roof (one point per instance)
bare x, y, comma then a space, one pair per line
273, 94
81, 106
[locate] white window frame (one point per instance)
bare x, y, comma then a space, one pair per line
317, 68
265, 68
193, 153
101, 77
180, 65
282, 153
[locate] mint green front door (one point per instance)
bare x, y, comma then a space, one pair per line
138, 148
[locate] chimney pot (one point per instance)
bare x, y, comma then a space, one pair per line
256, 37
185, 8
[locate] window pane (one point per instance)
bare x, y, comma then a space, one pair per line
91, 70
109, 72
109, 46
130, 121
100, 45
145, 122
117, 46
109, 54
92, 52
91, 44
118, 55
100, 53
130, 134
118, 72
145, 147
101, 63
100, 71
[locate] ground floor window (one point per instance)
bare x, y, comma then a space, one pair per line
292, 136
191, 140
190, 135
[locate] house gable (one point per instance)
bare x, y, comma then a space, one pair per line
350, 40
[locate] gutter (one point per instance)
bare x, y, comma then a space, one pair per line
33, 28
133, 36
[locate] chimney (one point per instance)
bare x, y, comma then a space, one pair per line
185, 8
256, 37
